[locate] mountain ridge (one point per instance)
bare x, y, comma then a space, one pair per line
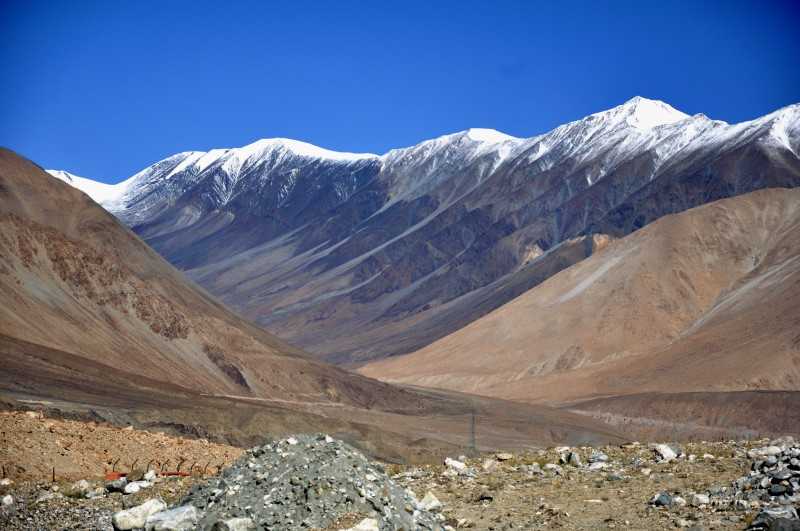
389, 253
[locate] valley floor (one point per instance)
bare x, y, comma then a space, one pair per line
535, 489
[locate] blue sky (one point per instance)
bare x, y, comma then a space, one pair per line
106, 88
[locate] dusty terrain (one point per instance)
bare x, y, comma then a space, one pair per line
707, 300
32, 445
606, 487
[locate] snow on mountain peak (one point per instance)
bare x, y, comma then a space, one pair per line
99, 192
643, 113
488, 135
300, 148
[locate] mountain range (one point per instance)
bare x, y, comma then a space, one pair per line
357, 257
94, 323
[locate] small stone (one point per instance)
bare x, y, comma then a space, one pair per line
574, 459
484, 495
8, 500
489, 465
5, 482
662, 499
81, 487
135, 517
455, 464
430, 502
504, 457
234, 524
679, 501
664, 452
150, 475
700, 499
132, 488
598, 457
291, 441
646, 471
118, 485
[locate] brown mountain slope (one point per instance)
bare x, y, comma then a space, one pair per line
708, 299
73, 278
93, 321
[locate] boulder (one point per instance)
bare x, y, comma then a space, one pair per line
136, 517
177, 519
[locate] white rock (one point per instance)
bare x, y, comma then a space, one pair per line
489, 465
136, 517
292, 441
8, 500
666, 453
132, 488
177, 519
708, 456
430, 502
367, 524
680, 502
455, 464
700, 499
645, 471
5, 482
504, 456
598, 465
81, 487
150, 475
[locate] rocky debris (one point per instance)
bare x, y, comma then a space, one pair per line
782, 518
774, 475
307, 481
136, 517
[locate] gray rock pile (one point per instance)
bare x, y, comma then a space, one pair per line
774, 474
304, 482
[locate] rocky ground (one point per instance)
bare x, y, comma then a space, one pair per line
316, 482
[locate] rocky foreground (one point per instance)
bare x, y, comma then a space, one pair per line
317, 482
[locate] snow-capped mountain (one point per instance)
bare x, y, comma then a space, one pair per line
358, 255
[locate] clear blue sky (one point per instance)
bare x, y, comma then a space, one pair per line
106, 88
